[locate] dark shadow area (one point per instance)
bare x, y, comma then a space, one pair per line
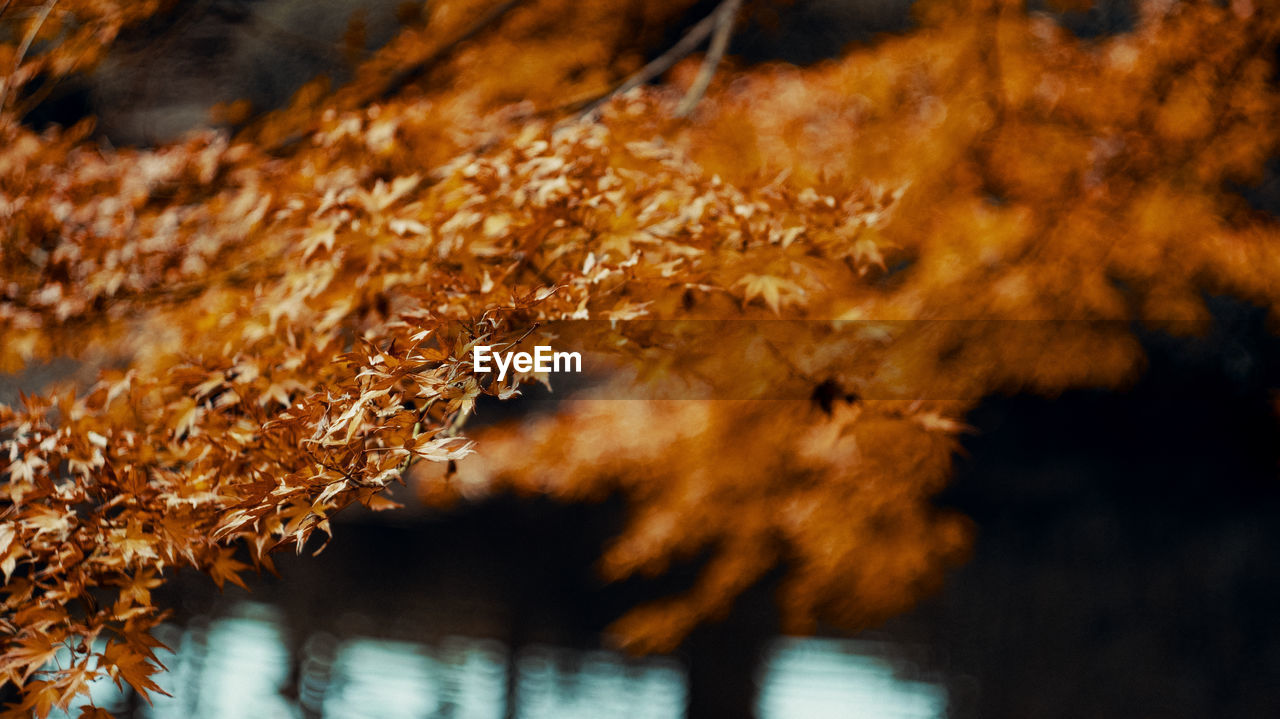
517, 571
1125, 559
63, 104
802, 32
1264, 195
1101, 19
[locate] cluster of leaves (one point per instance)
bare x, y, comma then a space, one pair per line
292, 311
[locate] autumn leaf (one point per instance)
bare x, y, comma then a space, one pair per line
225, 568
775, 291
124, 664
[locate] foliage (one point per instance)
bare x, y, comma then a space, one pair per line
284, 318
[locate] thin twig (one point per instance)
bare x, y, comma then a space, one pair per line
726, 15
663, 62
26, 45
524, 336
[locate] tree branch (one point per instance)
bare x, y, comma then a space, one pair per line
665, 61
26, 45
725, 14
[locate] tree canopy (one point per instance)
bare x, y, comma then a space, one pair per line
284, 314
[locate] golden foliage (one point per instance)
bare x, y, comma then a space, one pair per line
983, 205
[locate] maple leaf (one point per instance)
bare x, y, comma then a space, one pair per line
9, 552
30, 654
442, 449
134, 543
40, 697
137, 590
24, 470
124, 664
866, 253
775, 291
49, 520
226, 568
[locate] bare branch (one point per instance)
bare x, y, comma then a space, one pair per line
725, 16
26, 45
663, 62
